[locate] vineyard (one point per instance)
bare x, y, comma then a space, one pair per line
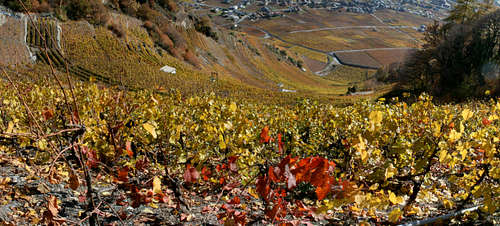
94, 154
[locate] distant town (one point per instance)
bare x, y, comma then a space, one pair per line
238, 11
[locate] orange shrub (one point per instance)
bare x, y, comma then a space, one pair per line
174, 35
166, 42
191, 58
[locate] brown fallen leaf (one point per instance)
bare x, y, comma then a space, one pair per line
42, 188
50, 216
52, 205
73, 181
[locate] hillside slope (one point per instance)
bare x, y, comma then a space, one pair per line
125, 51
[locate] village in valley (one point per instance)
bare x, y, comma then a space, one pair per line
237, 11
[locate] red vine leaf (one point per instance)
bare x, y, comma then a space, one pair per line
91, 156
323, 190
191, 175
47, 113
486, 121
235, 200
232, 163
128, 149
272, 175
205, 172
264, 135
123, 174
263, 188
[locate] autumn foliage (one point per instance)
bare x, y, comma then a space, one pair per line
384, 162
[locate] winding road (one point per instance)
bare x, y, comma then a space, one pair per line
334, 59
372, 49
349, 27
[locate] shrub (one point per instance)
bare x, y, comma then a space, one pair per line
117, 29
144, 12
16, 5
452, 62
148, 25
300, 63
127, 6
92, 10
175, 52
170, 5
99, 12
205, 27
175, 36
44, 7
78, 9
166, 42
191, 58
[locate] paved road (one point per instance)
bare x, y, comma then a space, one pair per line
372, 49
411, 37
331, 53
279, 38
377, 18
349, 27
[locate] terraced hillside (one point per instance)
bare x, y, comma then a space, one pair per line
394, 33
237, 64
43, 37
43, 32
236, 58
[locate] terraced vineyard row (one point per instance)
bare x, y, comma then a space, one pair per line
41, 34
55, 58
42, 31
145, 52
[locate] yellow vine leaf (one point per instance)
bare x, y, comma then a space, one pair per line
232, 107
394, 215
466, 114
447, 203
10, 127
376, 116
375, 119
463, 151
150, 128
442, 156
436, 127
253, 193
490, 205
361, 146
156, 185
454, 135
222, 144
390, 171
395, 199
